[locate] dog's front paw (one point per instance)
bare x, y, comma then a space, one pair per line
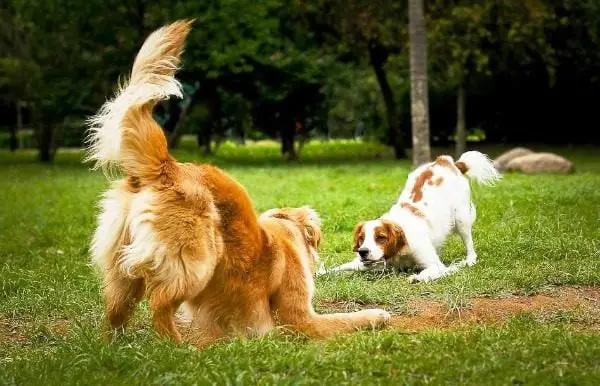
322, 270
420, 278
471, 260
378, 317
413, 279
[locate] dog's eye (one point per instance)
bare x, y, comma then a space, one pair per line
381, 238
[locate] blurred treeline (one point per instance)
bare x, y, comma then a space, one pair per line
529, 69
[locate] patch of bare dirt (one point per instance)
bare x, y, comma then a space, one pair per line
60, 326
16, 331
11, 331
582, 303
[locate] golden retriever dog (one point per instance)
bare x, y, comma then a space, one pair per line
186, 234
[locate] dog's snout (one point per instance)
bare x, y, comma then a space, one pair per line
363, 252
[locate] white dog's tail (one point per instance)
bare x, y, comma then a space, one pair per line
124, 133
479, 167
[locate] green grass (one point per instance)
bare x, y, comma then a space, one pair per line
532, 233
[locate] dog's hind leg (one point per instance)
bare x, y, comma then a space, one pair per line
292, 305
121, 293
121, 296
202, 327
354, 265
164, 302
179, 278
465, 217
166, 298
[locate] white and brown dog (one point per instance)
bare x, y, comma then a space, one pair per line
435, 201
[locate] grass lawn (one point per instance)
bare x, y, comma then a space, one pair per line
533, 235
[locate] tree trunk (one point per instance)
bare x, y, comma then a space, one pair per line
301, 143
207, 139
288, 138
140, 15
218, 142
378, 57
14, 130
177, 132
204, 137
174, 112
177, 116
418, 81
286, 124
242, 132
46, 143
461, 130
211, 93
216, 124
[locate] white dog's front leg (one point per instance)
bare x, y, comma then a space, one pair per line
354, 265
428, 274
322, 270
427, 257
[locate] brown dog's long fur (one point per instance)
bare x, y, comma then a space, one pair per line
188, 234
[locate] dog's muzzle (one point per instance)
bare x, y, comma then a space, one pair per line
363, 253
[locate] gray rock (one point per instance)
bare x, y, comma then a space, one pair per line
503, 160
540, 163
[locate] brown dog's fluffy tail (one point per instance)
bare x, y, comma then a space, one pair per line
124, 133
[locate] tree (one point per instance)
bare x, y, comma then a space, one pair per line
72, 72
60, 59
465, 36
458, 36
15, 70
419, 88
63, 67
371, 30
250, 49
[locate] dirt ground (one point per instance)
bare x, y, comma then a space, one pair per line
577, 305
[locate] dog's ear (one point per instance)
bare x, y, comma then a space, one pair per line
307, 219
281, 213
396, 239
310, 220
312, 214
356, 239
313, 236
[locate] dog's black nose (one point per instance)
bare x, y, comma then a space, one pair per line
363, 252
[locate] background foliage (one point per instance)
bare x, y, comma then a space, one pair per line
328, 68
